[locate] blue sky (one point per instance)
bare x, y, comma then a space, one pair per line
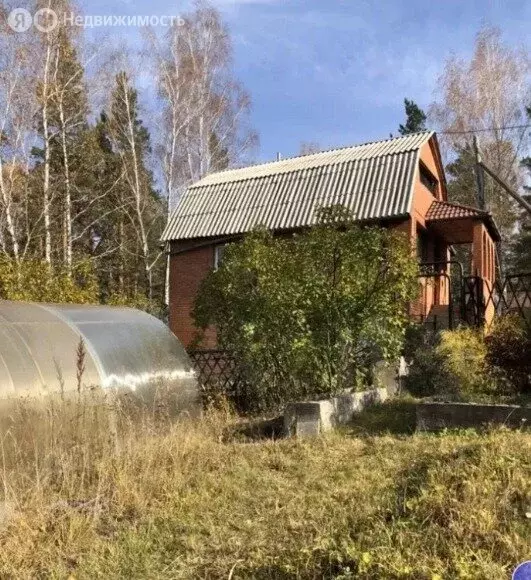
336, 72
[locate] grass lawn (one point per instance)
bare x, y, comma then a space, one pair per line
372, 501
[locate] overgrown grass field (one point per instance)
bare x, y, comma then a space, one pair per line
129, 494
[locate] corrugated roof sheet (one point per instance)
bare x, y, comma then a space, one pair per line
442, 210
373, 181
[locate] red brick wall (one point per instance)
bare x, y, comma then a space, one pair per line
190, 261
187, 270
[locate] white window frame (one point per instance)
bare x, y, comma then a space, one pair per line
218, 255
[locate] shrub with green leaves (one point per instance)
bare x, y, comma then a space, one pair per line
139, 301
454, 366
36, 281
464, 352
308, 316
509, 351
427, 375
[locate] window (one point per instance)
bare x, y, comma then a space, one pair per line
423, 247
440, 252
219, 250
427, 179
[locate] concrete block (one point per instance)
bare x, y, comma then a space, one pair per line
391, 375
436, 416
316, 417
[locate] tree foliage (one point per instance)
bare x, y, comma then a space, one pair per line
79, 181
415, 119
520, 259
521, 248
309, 315
204, 108
35, 281
508, 348
486, 96
309, 148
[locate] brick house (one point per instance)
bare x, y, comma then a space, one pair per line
397, 183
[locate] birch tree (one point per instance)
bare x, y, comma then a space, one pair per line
140, 203
63, 104
17, 107
485, 96
70, 109
73, 190
205, 124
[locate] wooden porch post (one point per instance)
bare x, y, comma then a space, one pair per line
483, 266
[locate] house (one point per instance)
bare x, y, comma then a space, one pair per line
397, 183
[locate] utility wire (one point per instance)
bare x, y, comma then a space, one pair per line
526, 126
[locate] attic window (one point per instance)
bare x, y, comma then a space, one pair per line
427, 179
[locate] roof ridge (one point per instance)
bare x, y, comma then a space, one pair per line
347, 147
309, 155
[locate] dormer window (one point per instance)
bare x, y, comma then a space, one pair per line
428, 179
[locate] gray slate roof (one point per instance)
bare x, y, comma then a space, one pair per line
373, 181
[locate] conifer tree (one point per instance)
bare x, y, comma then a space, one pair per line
415, 119
140, 203
62, 122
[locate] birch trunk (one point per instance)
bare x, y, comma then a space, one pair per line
10, 222
47, 158
137, 191
68, 253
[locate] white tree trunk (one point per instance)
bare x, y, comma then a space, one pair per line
68, 252
137, 190
47, 159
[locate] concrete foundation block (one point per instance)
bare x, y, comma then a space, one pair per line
436, 416
315, 417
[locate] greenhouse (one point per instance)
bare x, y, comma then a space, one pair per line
49, 348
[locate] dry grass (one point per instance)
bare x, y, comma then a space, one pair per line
129, 494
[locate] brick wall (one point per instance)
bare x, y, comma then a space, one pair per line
188, 267
190, 262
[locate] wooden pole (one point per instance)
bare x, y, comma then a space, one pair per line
517, 197
480, 179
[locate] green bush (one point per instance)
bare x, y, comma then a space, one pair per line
36, 281
427, 376
508, 351
453, 366
139, 301
308, 316
464, 352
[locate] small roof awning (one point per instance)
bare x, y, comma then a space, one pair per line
455, 223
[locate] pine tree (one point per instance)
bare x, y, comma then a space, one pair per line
97, 224
462, 187
142, 213
62, 123
415, 119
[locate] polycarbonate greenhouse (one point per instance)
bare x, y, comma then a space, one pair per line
124, 349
